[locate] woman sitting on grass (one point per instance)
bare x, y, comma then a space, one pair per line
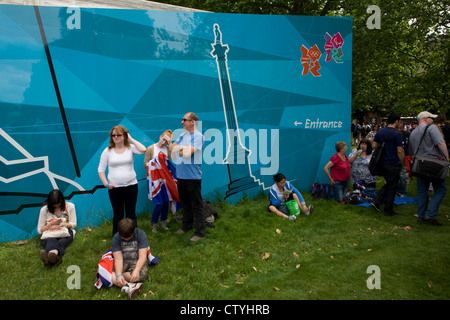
359, 158
280, 193
56, 225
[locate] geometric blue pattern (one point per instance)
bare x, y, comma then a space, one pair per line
145, 70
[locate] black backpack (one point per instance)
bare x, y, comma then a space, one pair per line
321, 190
210, 212
375, 167
353, 198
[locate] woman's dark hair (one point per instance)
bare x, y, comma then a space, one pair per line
369, 145
55, 197
278, 177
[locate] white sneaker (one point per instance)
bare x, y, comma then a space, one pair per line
164, 225
310, 209
132, 289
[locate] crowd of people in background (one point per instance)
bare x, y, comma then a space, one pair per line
367, 130
401, 139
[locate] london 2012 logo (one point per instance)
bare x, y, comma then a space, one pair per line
310, 57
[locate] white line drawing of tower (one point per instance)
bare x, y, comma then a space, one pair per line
237, 156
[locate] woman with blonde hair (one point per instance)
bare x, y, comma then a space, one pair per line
121, 183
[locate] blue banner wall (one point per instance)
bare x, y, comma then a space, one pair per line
273, 94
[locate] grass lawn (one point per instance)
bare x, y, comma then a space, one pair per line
253, 254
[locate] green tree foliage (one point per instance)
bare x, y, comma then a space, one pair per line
403, 66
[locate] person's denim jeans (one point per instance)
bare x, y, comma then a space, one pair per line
425, 209
404, 178
339, 190
162, 210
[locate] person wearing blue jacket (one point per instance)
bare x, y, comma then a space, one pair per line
281, 192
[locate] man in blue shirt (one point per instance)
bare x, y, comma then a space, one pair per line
392, 160
189, 148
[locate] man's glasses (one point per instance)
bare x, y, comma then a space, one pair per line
183, 120
116, 135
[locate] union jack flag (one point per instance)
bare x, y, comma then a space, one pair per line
106, 265
104, 271
162, 182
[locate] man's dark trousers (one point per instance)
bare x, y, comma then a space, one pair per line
387, 193
190, 192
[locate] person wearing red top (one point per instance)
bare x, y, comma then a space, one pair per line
338, 171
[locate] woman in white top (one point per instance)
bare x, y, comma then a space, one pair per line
164, 145
121, 183
57, 223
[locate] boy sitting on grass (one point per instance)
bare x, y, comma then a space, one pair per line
129, 249
280, 193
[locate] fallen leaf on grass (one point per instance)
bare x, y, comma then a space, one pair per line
407, 228
295, 254
266, 256
20, 242
369, 250
255, 269
331, 257
297, 266
278, 231
276, 289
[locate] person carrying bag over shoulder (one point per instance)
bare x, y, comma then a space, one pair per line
429, 167
375, 166
427, 145
392, 161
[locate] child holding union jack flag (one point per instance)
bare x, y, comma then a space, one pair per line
161, 179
